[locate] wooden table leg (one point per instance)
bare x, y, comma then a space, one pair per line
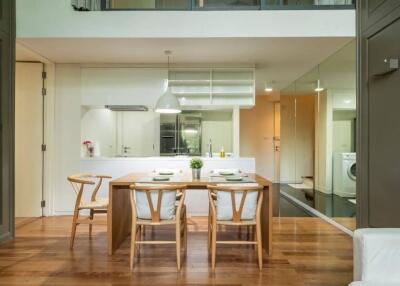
119, 217
266, 220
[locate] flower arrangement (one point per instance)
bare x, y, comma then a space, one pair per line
89, 147
196, 163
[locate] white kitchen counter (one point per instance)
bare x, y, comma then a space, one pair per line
196, 200
120, 166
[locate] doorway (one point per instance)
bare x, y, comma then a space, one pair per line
28, 139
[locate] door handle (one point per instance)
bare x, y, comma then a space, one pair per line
393, 66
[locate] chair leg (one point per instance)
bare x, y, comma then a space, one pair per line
133, 245
178, 245
259, 245
139, 237
73, 230
209, 230
185, 230
91, 220
213, 245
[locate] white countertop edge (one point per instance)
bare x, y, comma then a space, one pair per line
163, 158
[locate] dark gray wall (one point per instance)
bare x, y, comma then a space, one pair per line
378, 152
7, 63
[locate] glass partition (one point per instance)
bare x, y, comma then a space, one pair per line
148, 4
224, 4
227, 4
318, 137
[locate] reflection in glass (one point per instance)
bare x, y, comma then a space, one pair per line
227, 3
224, 4
308, 2
149, 4
318, 139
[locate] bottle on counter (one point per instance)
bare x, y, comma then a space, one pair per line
222, 152
210, 154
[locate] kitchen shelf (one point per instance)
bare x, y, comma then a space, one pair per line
214, 86
191, 93
248, 94
232, 82
183, 82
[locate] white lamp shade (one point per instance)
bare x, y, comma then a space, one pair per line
168, 103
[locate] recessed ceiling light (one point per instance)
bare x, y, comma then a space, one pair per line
268, 87
318, 87
347, 101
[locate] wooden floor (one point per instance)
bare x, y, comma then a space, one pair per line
307, 251
347, 222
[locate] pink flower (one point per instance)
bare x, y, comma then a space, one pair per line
87, 142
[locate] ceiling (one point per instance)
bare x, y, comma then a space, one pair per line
278, 60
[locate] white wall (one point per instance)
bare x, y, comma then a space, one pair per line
112, 85
67, 135
323, 142
99, 125
140, 132
56, 18
217, 125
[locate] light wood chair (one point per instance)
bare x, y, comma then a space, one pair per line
179, 218
80, 184
236, 219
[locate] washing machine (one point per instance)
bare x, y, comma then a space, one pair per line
344, 174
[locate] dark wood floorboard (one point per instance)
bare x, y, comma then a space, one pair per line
307, 251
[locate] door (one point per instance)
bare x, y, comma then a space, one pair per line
5, 15
7, 60
28, 139
277, 141
383, 131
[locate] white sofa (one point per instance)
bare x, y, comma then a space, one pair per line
376, 257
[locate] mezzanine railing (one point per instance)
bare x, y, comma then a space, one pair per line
225, 4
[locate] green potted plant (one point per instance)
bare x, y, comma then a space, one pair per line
195, 165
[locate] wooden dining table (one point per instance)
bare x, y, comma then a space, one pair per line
120, 215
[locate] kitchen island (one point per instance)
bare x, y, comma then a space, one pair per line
196, 199
118, 166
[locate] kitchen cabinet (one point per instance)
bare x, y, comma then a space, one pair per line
214, 86
195, 87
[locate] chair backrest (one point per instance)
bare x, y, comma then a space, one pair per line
79, 181
156, 202
236, 202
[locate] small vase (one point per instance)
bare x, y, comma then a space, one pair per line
196, 174
91, 151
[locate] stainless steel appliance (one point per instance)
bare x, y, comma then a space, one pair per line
180, 134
